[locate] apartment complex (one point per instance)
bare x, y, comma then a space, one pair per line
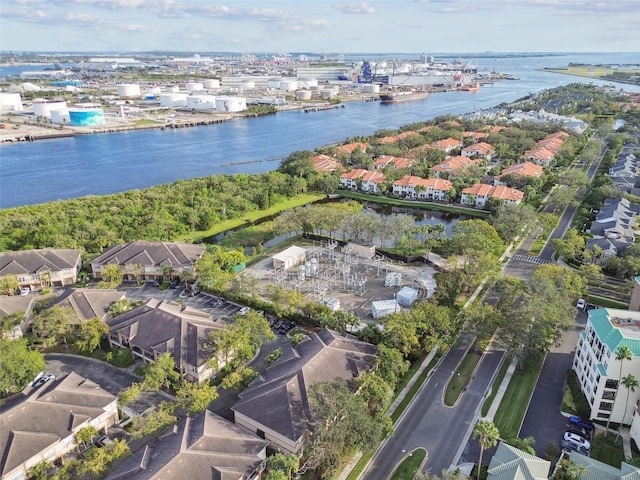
598, 370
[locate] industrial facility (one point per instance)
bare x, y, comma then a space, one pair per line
352, 277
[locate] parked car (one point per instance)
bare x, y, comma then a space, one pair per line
42, 380
579, 431
576, 448
24, 291
581, 423
577, 439
581, 303
244, 310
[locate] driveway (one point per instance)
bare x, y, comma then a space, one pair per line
543, 420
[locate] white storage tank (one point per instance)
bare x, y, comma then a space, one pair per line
43, 108
371, 88
231, 104
128, 90
173, 89
314, 266
154, 91
201, 102
193, 86
60, 117
328, 93
301, 273
274, 82
288, 85
173, 99
248, 85
303, 94
406, 296
86, 117
212, 83
11, 101
307, 82
315, 91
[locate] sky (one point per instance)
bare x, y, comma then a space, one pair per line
320, 26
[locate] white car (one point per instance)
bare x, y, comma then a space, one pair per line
581, 303
244, 310
577, 440
24, 291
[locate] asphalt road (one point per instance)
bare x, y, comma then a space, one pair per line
429, 424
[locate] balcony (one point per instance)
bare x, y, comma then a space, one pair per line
611, 384
608, 396
606, 406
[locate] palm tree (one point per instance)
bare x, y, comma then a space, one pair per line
623, 353
85, 435
487, 434
630, 383
525, 444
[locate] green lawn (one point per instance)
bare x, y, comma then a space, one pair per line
607, 449
409, 467
495, 386
461, 377
252, 216
514, 404
574, 401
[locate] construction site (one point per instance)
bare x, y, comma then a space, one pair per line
353, 278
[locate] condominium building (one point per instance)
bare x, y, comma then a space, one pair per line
595, 363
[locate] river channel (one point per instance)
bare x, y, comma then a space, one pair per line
42, 171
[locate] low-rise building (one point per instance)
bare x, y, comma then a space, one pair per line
592, 469
47, 267
453, 166
479, 194
479, 150
524, 169
447, 144
276, 405
89, 303
325, 164
614, 228
161, 326
360, 179
204, 447
390, 161
596, 366
21, 305
411, 186
44, 425
149, 260
510, 463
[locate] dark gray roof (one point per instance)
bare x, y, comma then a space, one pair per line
616, 215
89, 303
164, 326
278, 398
206, 447
36, 261
48, 415
173, 254
15, 303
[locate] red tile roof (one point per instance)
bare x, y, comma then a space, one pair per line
350, 147
434, 183
527, 169
447, 144
325, 164
501, 192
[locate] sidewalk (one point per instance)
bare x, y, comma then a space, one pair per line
501, 389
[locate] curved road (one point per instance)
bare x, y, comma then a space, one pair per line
429, 424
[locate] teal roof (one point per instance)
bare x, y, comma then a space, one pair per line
602, 370
596, 470
509, 463
613, 336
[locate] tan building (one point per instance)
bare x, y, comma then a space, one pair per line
149, 260
42, 268
44, 425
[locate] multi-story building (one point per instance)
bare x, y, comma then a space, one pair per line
48, 267
43, 425
598, 370
149, 260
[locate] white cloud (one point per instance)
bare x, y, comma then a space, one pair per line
354, 7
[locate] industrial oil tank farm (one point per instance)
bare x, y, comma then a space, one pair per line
212, 83
86, 116
128, 90
288, 85
11, 101
43, 108
303, 94
60, 117
231, 104
173, 99
193, 86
